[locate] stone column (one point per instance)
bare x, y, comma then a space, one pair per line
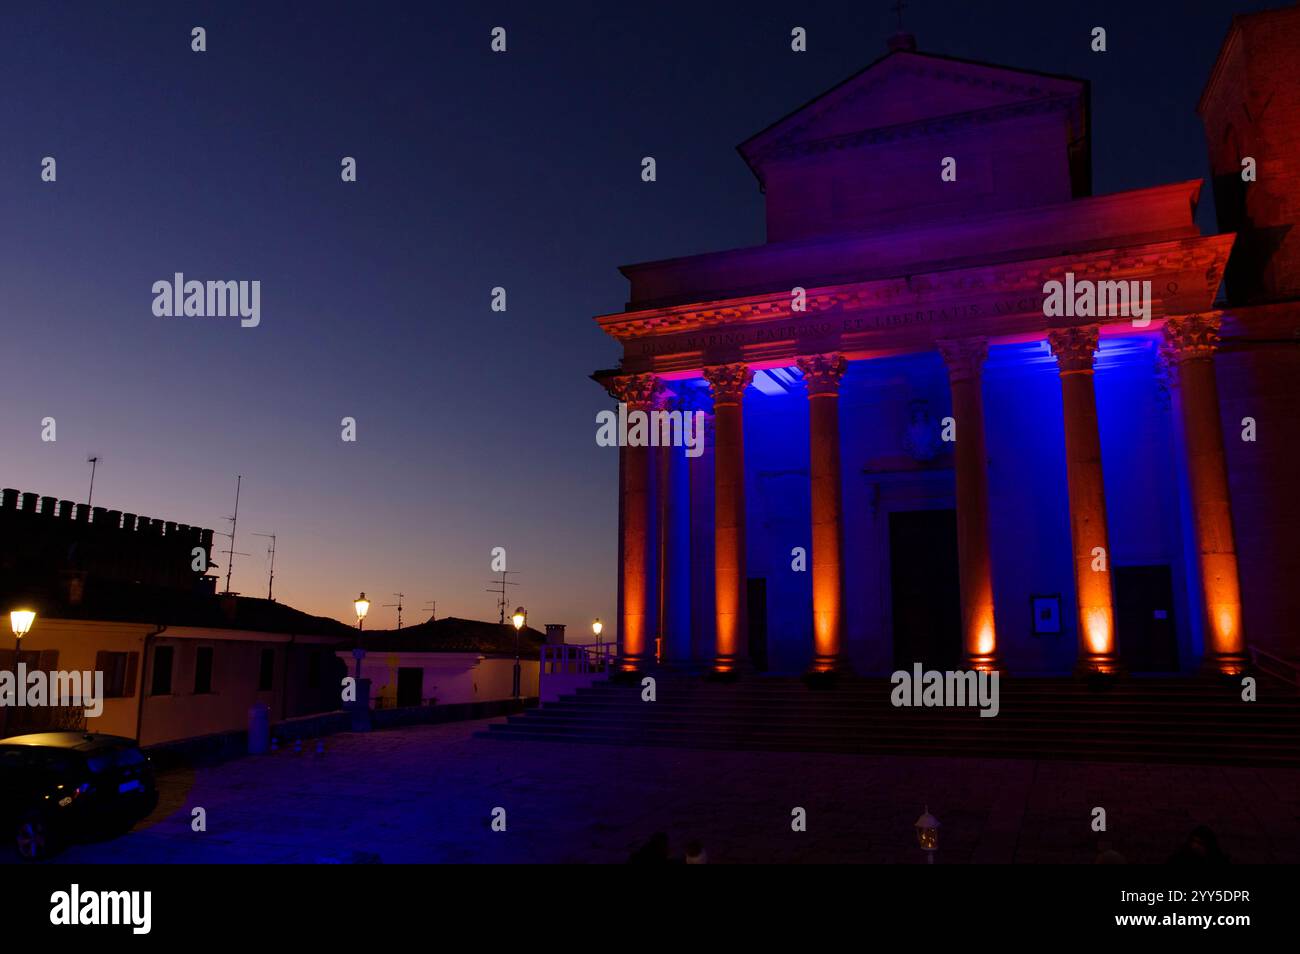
663, 464
727, 383
703, 511
965, 361
822, 374
639, 392
1189, 345
1075, 349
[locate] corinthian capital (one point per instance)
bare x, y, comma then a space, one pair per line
728, 382
638, 391
963, 356
1074, 347
822, 372
1191, 336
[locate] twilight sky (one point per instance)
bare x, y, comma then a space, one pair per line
475, 429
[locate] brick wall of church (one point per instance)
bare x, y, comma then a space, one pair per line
1259, 381
1252, 108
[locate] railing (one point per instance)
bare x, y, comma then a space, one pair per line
1284, 669
566, 659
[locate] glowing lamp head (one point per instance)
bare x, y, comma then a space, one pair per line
21, 620
363, 606
927, 831
597, 626
519, 618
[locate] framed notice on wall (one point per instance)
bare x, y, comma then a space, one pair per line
1046, 608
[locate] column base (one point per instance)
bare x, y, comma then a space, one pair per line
983, 662
725, 669
1099, 670
825, 671
630, 670
1103, 664
1225, 665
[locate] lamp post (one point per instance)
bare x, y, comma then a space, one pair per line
927, 834
21, 621
363, 607
519, 618
596, 627
361, 702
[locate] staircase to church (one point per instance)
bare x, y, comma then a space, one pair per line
1136, 720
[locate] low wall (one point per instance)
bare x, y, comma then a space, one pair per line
223, 746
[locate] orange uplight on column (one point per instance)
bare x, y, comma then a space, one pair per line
727, 383
822, 374
965, 360
638, 392
1189, 344
1075, 349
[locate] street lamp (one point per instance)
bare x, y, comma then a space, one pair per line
927, 834
519, 618
596, 627
21, 621
363, 607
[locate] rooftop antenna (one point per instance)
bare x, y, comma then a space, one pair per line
398, 604
270, 582
433, 610
92, 461
898, 11
234, 521
499, 588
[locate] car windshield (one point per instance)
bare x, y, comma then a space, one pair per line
37, 758
106, 759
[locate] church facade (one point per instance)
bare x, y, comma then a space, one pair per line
961, 410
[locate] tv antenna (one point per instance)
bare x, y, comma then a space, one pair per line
398, 604
234, 521
271, 550
432, 606
92, 461
499, 588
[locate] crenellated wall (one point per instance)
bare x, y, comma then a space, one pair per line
42, 536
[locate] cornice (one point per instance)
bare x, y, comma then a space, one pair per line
1206, 255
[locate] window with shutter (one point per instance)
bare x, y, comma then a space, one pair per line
128, 681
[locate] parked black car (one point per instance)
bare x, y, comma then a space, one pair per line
58, 786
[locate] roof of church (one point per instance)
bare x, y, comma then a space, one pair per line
904, 88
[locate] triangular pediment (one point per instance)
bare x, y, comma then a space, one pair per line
902, 89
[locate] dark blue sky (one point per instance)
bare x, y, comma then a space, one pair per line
475, 429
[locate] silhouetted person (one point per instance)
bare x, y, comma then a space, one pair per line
1201, 848
653, 852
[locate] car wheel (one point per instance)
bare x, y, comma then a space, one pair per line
33, 837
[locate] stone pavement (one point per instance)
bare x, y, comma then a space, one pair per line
426, 794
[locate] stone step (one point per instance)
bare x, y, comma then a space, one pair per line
972, 728
1236, 754
1240, 713
883, 690
1139, 719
